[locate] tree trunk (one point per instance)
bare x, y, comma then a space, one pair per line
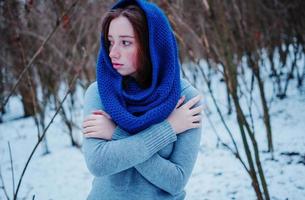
255, 69
231, 81
17, 51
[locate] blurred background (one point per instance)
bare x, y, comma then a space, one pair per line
246, 57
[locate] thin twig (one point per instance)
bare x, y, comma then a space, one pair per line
12, 165
43, 135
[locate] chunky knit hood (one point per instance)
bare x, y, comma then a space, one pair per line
134, 108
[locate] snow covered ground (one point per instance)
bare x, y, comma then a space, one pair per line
62, 174
218, 175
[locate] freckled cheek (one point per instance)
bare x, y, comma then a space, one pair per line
134, 59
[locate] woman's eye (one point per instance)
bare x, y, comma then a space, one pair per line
126, 43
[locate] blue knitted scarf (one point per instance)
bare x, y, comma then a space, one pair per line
156, 102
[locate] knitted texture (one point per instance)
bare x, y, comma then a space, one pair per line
154, 164
155, 103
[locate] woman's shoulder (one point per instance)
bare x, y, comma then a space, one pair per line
187, 89
92, 98
92, 87
92, 91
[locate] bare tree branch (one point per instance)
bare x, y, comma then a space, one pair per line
40, 49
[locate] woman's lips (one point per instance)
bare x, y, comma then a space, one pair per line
117, 65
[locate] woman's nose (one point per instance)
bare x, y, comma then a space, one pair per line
114, 52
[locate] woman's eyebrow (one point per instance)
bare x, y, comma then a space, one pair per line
126, 36
122, 36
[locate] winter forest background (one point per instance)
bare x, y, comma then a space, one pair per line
247, 57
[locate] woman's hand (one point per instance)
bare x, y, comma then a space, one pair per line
98, 125
186, 117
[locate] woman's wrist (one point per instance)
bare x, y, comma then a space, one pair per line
171, 124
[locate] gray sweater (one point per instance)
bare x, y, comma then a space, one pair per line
152, 164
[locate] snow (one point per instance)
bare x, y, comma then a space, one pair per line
219, 175
62, 174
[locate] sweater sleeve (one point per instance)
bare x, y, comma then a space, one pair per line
109, 157
172, 174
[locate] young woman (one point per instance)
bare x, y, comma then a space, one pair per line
141, 140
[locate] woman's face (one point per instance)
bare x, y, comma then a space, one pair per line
123, 49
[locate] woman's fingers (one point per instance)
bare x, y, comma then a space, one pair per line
180, 101
90, 135
197, 110
94, 117
89, 130
196, 125
197, 118
88, 123
101, 112
192, 101
97, 112
90, 118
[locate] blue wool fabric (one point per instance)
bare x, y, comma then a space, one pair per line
156, 102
